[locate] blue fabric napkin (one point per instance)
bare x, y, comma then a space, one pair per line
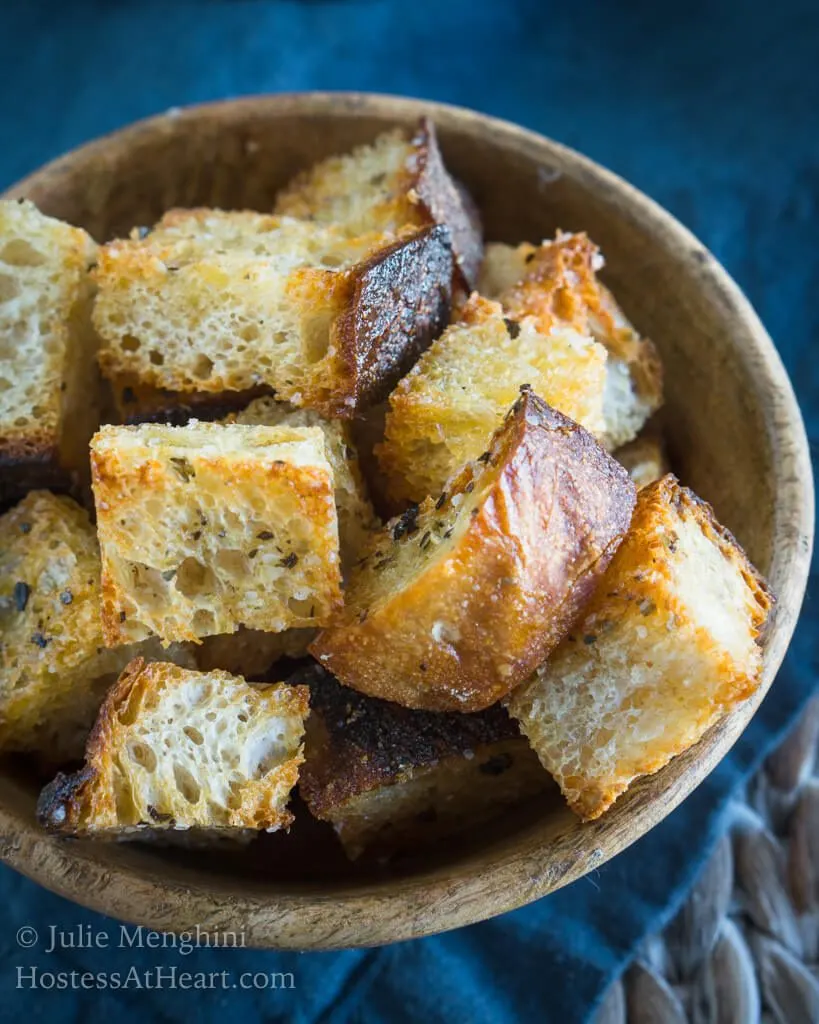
708, 107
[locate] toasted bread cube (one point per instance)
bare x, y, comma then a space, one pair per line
175, 749
54, 667
212, 301
356, 518
557, 282
251, 653
443, 413
644, 458
209, 527
456, 602
395, 182
669, 644
391, 780
48, 374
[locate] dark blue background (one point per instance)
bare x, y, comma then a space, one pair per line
711, 108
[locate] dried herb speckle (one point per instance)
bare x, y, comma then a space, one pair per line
290, 561
512, 327
38, 639
21, 593
184, 470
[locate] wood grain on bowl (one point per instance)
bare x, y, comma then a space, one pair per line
735, 436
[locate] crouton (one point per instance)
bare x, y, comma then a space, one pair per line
175, 749
391, 780
209, 527
443, 413
557, 283
668, 645
212, 301
54, 667
394, 183
48, 375
457, 601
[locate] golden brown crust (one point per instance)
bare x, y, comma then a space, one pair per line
550, 509
94, 799
361, 743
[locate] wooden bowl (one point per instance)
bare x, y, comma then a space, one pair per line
736, 437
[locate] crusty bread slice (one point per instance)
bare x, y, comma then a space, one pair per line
251, 653
54, 668
444, 411
556, 283
356, 518
48, 375
645, 458
209, 527
391, 780
458, 601
395, 182
215, 301
175, 749
669, 644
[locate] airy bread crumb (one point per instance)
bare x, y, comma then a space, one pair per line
668, 645
356, 518
48, 378
209, 527
175, 749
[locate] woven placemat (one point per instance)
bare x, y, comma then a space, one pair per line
745, 945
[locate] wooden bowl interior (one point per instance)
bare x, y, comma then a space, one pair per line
725, 435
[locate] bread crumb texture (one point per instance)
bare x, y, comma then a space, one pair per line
209, 527
457, 600
670, 643
356, 518
176, 749
47, 347
54, 667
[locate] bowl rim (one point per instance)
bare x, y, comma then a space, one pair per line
459, 894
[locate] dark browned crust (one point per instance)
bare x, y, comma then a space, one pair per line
59, 799
135, 403
444, 202
31, 462
357, 743
400, 304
